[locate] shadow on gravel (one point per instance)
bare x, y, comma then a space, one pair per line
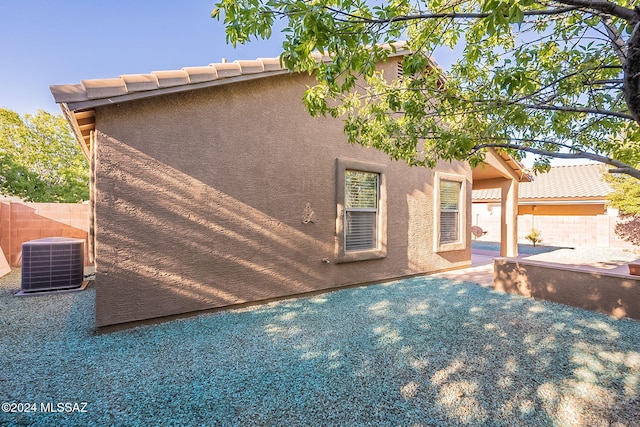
422, 351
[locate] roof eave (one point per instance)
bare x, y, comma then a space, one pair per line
75, 128
517, 167
93, 103
563, 201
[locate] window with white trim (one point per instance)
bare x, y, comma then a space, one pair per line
450, 212
361, 208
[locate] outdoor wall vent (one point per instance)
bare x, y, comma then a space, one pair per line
52, 263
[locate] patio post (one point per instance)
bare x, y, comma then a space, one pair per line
509, 219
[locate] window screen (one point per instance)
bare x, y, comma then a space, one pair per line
449, 211
361, 210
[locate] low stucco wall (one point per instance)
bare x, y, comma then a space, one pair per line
613, 294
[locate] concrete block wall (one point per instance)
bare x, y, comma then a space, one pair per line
569, 230
21, 222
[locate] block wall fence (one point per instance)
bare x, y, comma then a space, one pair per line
556, 230
21, 222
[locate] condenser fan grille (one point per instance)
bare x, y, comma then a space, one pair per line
52, 263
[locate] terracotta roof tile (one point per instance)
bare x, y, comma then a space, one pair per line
71, 93
93, 90
104, 88
320, 57
205, 73
227, 69
140, 82
251, 67
271, 64
171, 78
131, 83
575, 181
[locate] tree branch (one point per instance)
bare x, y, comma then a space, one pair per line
351, 18
606, 82
619, 167
604, 6
560, 79
618, 44
577, 110
631, 69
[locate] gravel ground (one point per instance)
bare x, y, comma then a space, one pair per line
419, 352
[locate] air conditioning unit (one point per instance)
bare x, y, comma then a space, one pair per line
52, 263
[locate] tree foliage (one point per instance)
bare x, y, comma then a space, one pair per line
40, 160
628, 228
551, 78
625, 196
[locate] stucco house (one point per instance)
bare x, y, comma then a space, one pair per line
568, 205
212, 187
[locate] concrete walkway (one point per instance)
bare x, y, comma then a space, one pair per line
480, 271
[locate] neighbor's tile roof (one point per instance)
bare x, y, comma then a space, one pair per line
561, 182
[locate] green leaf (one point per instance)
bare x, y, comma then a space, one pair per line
545, 82
40, 159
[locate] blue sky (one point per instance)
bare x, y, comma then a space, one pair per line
45, 42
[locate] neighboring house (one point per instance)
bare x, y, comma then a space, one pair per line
212, 186
567, 205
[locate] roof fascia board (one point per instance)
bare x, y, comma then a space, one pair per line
514, 167
547, 202
75, 128
572, 201
505, 170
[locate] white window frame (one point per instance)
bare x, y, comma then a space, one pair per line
367, 210
380, 249
461, 243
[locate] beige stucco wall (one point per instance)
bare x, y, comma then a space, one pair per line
200, 197
609, 293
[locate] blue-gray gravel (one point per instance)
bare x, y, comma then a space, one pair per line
421, 351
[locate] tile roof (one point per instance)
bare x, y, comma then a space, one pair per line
78, 101
561, 182
125, 84
86, 93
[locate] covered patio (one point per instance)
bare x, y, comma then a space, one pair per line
501, 171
